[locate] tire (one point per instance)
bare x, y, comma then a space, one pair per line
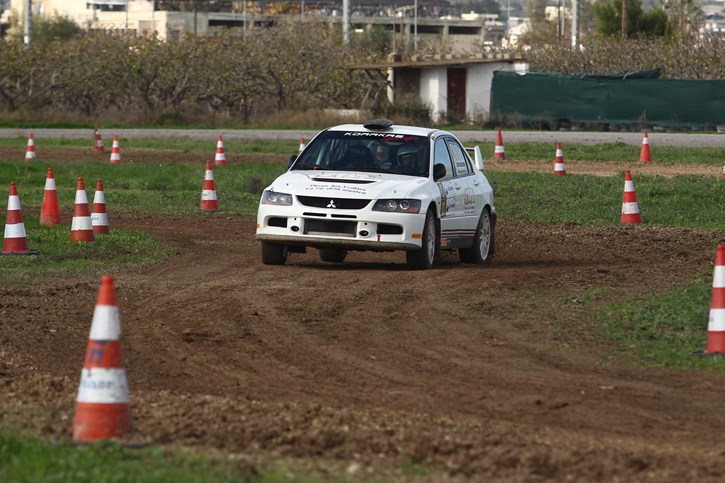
424, 258
482, 250
333, 255
273, 254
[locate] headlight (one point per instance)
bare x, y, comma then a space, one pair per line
397, 206
273, 198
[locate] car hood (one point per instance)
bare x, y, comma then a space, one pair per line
347, 184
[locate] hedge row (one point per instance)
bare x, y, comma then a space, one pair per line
290, 66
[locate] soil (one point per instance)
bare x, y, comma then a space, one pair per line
369, 370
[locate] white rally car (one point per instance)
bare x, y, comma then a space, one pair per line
380, 187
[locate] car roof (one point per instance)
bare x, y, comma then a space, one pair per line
393, 129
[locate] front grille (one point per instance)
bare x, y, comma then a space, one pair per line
333, 203
330, 227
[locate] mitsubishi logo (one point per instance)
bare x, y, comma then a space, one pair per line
331, 204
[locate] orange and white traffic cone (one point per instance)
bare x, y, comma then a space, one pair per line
50, 210
99, 217
220, 158
630, 207
102, 405
302, 145
716, 320
559, 164
30, 150
208, 192
644, 154
99, 147
81, 229
722, 175
15, 241
115, 151
499, 151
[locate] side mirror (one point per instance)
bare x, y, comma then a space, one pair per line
439, 171
291, 160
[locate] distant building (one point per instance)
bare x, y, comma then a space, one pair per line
432, 28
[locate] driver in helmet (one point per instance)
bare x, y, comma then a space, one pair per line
408, 161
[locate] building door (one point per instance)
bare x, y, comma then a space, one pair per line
456, 107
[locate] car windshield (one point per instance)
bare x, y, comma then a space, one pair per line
368, 152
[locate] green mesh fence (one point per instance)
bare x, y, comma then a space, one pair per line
639, 98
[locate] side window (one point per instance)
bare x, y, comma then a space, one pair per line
460, 160
442, 156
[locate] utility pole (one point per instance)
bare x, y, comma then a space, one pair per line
345, 22
28, 27
624, 19
415, 25
574, 24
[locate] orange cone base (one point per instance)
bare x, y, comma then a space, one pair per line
82, 236
559, 173
97, 421
715, 342
50, 220
101, 230
632, 219
17, 246
209, 205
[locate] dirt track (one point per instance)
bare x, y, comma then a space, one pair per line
477, 373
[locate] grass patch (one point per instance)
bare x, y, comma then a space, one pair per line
24, 459
615, 152
59, 256
681, 201
665, 329
144, 188
179, 143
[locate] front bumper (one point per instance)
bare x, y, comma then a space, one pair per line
364, 230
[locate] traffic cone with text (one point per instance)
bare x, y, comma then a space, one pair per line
30, 150
50, 210
220, 158
99, 147
302, 145
630, 207
716, 319
644, 154
103, 411
559, 164
115, 151
99, 217
15, 241
499, 151
208, 192
81, 229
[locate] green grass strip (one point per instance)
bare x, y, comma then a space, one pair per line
681, 201
181, 144
59, 256
667, 329
24, 459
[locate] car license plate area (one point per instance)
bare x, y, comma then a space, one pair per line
330, 228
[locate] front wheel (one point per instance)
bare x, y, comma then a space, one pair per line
425, 257
481, 251
273, 254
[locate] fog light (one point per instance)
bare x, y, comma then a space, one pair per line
364, 233
295, 228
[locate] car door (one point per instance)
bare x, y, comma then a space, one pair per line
448, 207
467, 186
